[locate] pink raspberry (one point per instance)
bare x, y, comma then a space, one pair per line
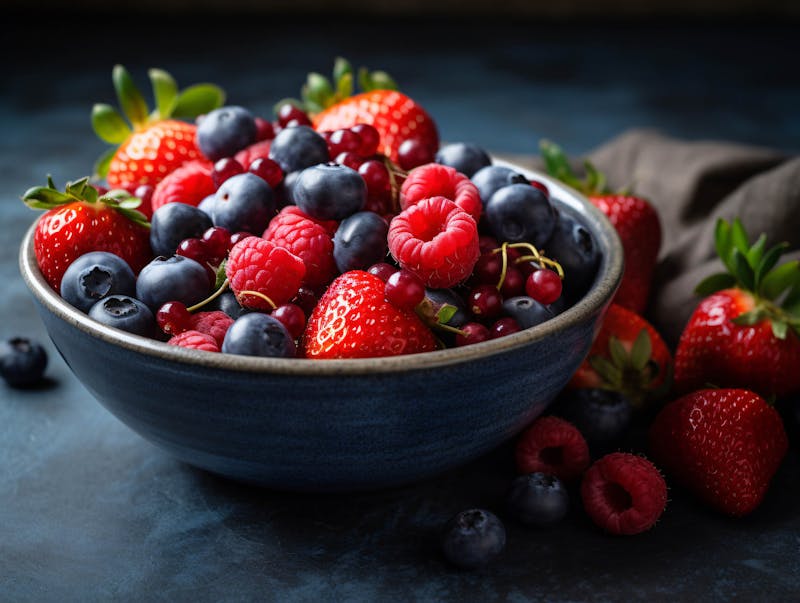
330, 226
624, 493
306, 239
553, 446
214, 323
260, 272
190, 184
195, 340
255, 151
436, 240
433, 179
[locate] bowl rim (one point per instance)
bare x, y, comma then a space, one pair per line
599, 295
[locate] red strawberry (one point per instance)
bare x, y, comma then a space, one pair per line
153, 145
79, 221
747, 334
354, 320
628, 355
635, 219
190, 184
394, 115
552, 446
722, 444
624, 493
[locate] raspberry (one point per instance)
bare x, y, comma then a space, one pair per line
255, 151
190, 184
624, 493
260, 272
330, 226
195, 340
215, 323
433, 180
553, 446
436, 240
307, 240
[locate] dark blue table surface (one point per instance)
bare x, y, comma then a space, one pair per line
90, 511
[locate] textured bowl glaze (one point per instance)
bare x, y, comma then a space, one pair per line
336, 424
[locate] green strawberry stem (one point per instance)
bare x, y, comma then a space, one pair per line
558, 166
754, 268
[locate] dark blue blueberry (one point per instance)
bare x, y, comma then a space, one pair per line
573, 246
207, 204
228, 303
258, 334
284, 192
521, 213
94, 275
243, 203
225, 131
174, 222
440, 297
492, 178
526, 311
473, 538
329, 191
126, 313
602, 416
297, 148
537, 499
22, 362
464, 157
176, 278
360, 241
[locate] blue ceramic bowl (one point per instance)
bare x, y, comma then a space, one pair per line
336, 424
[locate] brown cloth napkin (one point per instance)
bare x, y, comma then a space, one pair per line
692, 184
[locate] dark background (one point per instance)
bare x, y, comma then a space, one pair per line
90, 511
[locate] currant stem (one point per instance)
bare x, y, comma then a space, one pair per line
222, 288
260, 295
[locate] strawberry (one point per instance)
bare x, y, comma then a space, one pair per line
79, 220
722, 444
628, 355
635, 219
394, 115
354, 320
747, 332
153, 144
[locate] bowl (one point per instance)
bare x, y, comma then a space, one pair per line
333, 425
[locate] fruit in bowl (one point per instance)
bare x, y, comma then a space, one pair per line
427, 334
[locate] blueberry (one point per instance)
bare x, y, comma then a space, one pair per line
602, 416
492, 178
360, 241
225, 131
174, 222
526, 311
207, 204
440, 297
227, 302
573, 246
329, 191
243, 203
22, 362
463, 157
297, 148
284, 191
537, 499
94, 275
258, 334
521, 212
176, 278
126, 313
473, 538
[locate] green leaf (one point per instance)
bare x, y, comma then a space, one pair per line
595, 180
344, 86
642, 350
723, 242
382, 81
317, 89
44, 197
779, 329
77, 189
121, 198
609, 373
109, 125
742, 270
220, 275
715, 282
445, 313
103, 162
768, 262
165, 91
557, 164
618, 353
792, 301
364, 79
756, 251
130, 99
780, 279
739, 237
134, 216
342, 68
748, 319
198, 100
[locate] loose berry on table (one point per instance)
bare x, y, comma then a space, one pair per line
537, 499
22, 362
553, 446
473, 538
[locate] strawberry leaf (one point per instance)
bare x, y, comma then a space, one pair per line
739, 237
753, 317
165, 92
557, 164
45, 197
109, 125
120, 198
198, 99
755, 253
642, 350
768, 262
77, 189
779, 329
742, 270
445, 313
715, 282
103, 162
792, 301
342, 68
318, 90
130, 99
220, 276
382, 81
609, 373
344, 86
723, 242
595, 179
364, 79
780, 279
618, 353
135, 216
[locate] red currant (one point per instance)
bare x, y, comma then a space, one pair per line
473, 332
487, 243
195, 249
382, 270
541, 186
349, 159
288, 113
342, 141
370, 139
413, 153
225, 168
376, 176
504, 326
292, 317
306, 299
404, 290
544, 286
488, 269
379, 204
264, 129
238, 236
217, 241
173, 318
268, 170
513, 283
485, 301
